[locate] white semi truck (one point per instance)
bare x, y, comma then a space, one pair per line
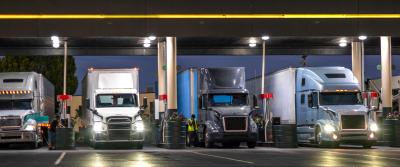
324, 102
111, 107
26, 107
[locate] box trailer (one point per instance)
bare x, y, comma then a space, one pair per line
111, 106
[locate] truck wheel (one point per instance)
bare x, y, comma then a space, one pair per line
367, 145
251, 144
139, 145
207, 142
318, 138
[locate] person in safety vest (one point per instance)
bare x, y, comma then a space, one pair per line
192, 131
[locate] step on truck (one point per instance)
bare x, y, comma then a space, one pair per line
219, 99
112, 110
324, 102
26, 107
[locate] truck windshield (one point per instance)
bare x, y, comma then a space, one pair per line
25, 104
340, 98
227, 99
116, 100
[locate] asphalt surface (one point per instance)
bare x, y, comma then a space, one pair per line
196, 157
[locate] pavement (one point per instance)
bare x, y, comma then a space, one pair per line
195, 157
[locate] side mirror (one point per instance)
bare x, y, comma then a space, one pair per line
255, 102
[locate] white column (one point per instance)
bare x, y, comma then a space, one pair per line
357, 59
386, 74
171, 75
161, 75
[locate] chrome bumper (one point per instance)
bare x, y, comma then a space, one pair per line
104, 137
17, 136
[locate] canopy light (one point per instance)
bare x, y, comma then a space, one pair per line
14, 92
252, 40
147, 41
342, 44
265, 37
252, 45
362, 37
146, 45
152, 38
56, 41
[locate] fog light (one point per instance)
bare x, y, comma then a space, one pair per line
334, 137
371, 135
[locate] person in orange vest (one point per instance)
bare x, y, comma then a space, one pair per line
192, 131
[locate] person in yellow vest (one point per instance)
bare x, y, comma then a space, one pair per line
192, 131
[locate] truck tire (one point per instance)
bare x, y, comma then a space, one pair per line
367, 145
207, 141
251, 144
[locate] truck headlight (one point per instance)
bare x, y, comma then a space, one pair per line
139, 126
329, 128
373, 127
97, 127
30, 127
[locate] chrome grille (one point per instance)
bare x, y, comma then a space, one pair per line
119, 128
235, 124
353, 121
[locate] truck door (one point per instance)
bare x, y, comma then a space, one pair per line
312, 114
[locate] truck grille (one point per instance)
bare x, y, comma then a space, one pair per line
10, 122
235, 124
353, 121
119, 128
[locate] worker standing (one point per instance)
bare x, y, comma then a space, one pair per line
192, 131
52, 135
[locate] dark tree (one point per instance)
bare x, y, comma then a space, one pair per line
50, 66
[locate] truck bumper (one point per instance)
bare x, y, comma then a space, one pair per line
17, 136
127, 137
352, 137
233, 137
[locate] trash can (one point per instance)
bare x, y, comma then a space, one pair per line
65, 139
175, 135
285, 135
391, 132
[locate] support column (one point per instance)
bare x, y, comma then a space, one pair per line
171, 76
357, 59
386, 74
161, 76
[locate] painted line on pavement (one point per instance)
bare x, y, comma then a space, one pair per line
227, 158
58, 161
364, 155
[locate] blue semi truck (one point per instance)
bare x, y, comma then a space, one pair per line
219, 99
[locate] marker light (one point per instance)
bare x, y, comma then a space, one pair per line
362, 37
152, 38
373, 127
252, 45
329, 128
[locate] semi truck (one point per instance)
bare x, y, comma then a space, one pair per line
219, 99
26, 106
325, 103
111, 107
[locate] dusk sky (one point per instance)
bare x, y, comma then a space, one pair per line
148, 64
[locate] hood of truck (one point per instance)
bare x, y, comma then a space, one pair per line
233, 111
20, 113
118, 111
348, 109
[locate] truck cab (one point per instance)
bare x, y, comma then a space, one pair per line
26, 103
330, 108
225, 109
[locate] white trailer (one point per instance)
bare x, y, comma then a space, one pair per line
26, 107
325, 103
111, 107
